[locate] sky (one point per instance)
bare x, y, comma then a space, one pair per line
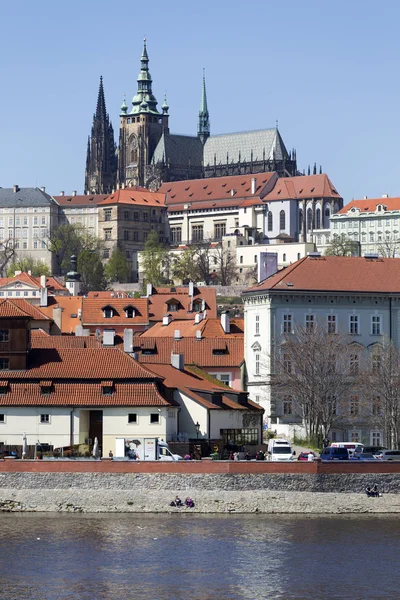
327, 71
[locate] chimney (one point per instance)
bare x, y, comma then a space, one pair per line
128, 340
233, 192
226, 321
15, 189
43, 281
43, 296
253, 185
74, 192
57, 318
191, 289
385, 195
108, 337
198, 318
166, 320
149, 290
17, 273
42, 189
178, 361
123, 186
29, 272
198, 335
177, 334
365, 197
62, 193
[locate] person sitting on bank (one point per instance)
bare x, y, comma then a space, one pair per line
368, 491
375, 491
189, 502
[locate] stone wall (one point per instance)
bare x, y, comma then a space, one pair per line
212, 493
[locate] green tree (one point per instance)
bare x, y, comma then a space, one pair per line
91, 270
28, 263
68, 240
184, 266
155, 260
117, 269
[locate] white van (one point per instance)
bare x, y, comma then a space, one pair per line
352, 447
279, 449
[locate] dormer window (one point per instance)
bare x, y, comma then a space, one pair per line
197, 305
172, 305
129, 312
3, 388
107, 388
45, 388
108, 312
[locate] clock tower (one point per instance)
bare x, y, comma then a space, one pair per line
141, 128
101, 156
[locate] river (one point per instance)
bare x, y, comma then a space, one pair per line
196, 557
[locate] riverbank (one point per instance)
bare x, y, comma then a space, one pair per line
206, 502
138, 492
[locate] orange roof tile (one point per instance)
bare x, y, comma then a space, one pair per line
71, 305
93, 314
158, 302
62, 341
10, 310
135, 197
336, 274
30, 309
84, 394
208, 328
52, 283
302, 186
370, 204
81, 200
79, 363
233, 188
203, 353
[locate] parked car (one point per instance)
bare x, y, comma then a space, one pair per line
363, 456
330, 453
374, 449
304, 456
388, 455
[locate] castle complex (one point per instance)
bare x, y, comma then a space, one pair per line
148, 154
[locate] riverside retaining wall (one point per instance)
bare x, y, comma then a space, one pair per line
99, 486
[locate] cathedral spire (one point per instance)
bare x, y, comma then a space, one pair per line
203, 130
101, 159
144, 101
101, 103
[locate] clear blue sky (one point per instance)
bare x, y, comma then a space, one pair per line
328, 71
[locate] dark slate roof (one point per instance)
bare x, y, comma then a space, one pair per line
24, 196
179, 150
262, 142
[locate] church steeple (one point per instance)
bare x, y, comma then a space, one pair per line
101, 158
144, 101
203, 129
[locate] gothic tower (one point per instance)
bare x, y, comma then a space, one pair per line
203, 128
101, 157
140, 129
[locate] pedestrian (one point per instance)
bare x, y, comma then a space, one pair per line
231, 457
247, 455
310, 457
236, 456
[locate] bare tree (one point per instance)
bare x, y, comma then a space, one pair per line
226, 265
389, 248
7, 252
313, 368
342, 246
381, 380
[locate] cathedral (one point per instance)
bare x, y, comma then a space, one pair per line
148, 154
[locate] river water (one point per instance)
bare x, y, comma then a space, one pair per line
196, 557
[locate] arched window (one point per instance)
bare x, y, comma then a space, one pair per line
241, 260
318, 219
300, 218
298, 256
327, 212
282, 220
133, 150
255, 258
284, 258
309, 219
270, 222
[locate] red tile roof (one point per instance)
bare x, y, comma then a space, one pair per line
71, 305
203, 353
336, 274
159, 297
232, 188
84, 394
370, 204
79, 364
308, 186
93, 314
10, 310
208, 328
52, 283
30, 309
81, 200
41, 340
135, 197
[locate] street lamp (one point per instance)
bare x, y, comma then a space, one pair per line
197, 425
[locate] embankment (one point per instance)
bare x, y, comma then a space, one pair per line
245, 487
